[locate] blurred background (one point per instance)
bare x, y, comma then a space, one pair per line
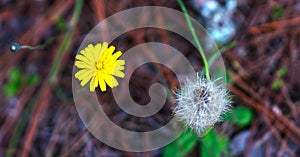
259, 41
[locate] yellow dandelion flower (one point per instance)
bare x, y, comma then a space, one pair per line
99, 64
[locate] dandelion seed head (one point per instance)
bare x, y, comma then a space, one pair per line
200, 103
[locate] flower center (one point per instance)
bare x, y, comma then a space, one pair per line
99, 66
202, 95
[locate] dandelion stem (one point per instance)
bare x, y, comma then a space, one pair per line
187, 17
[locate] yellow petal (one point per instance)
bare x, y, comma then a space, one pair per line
120, 62
97, 51
109, 69
96, 81
92, 87
104, 56
102, 84
111, 81
84, 81
110, 50
103, 49
82, 52
82, 58
121, 67
116, 55
80, 64
119, 74
113, 58
107, 54
87, 74
88, 52
81, 72
109, 63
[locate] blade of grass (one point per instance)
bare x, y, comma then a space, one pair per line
20, 127
66, 42
188, 20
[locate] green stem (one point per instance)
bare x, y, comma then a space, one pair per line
187, 17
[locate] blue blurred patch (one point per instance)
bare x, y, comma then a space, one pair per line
217, 18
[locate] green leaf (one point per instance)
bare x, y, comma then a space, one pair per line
223, 143
14, 82
209, 145
182, 145
241, 116
214, 145
61, 23
277, 84
282, 71
33, 79
278, 11
228, 77
227, 116
172, 150
187, 141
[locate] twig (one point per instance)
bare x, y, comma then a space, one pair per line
47, 85
39, 111
276, 25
